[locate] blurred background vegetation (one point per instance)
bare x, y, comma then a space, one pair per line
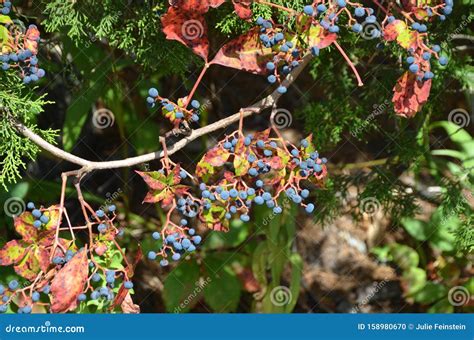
394, 228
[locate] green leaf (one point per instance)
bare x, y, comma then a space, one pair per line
94, 63
259, 263
238, 233
182, 289
430, 293
404, 256
416, 228
443, 306
222, 293
295, 284
415, 279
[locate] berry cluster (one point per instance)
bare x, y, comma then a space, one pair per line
286, 56
175, 241
176, 113
240, 171
40, 215
60, 274
5, 7
20, 52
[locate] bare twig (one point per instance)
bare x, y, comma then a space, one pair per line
88, 165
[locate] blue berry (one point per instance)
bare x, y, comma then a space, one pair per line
153, 92
321, 8
44, 219
195, 104
164, 263
102, 228
186, 243
259, 200
308, 10
271, 79
151, 255
82, 297
13, 284
309, 208
414, 68
95, 295
156, 235
37, 224
176, 256
100, 213
270, 66
30, 205
36, 213
443, 61
96, 277
46, 289
357, 28
197, 239
277, 210
282, 89
191, 231
245, 217
259, 183
341, 3
359, 12
112, 208
35, 296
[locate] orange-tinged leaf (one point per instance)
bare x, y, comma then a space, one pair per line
398, 30
189, 28
242, 8
69, 283
12, 252
410, 94
31, 264
245, 53
318, 37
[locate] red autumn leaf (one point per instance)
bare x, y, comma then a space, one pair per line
399, 31
245, 53
242, 8
214, 158
12, 252
410, 94
163, 188
187, 27
69, 283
